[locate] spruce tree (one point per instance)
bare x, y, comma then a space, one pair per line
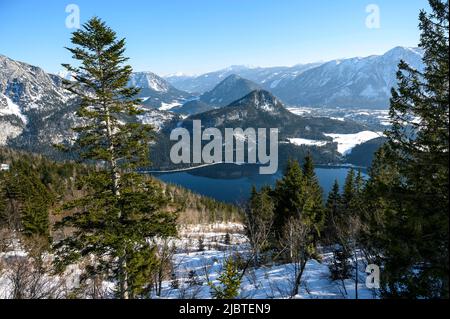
26, 201
411, 232
289, 197
259, 218
313, 207
121, 209
349, 192
229, 281
340, 267
3, 200
333, 211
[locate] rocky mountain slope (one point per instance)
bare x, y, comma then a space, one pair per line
230, 89
157, 92
356, 82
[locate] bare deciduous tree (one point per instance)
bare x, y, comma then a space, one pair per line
298, 245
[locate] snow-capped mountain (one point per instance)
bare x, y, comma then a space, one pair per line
37, 112
260, 108
230, 89
356, 82
267, 78
35, 109
157, 92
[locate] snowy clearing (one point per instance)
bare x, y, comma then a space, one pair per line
198, 259
346, 142
169, 106
303, 141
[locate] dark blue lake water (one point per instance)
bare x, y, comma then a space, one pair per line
233, 183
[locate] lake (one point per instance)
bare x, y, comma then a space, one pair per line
232, 183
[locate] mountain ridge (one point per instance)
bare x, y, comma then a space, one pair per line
358, 82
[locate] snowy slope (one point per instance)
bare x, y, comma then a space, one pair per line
355, 82
195, 265
267, 78
346, 142
157, 92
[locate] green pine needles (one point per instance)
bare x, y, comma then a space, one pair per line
121, 210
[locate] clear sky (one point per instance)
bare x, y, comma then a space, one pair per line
197, 36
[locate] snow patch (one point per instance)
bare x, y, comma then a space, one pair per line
168, 106
7, 131
346, 142
303, 141
10, 108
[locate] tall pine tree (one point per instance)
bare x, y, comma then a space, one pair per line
121, 209
313, 194
259, 220
333, 210
411, 231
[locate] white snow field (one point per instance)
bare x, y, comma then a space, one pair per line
194, 267
303, 141
169, 106
272, 281
346, 142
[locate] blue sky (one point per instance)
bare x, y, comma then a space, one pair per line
196, 36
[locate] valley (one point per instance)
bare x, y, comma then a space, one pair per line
321, 173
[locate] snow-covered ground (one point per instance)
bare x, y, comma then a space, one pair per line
303, 141
300, 110
156, 118
195, 267
169, 106
346, 142
8, 107
199, 257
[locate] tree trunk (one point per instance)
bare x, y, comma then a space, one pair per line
115, 176
124, 293
356, 274
298, 279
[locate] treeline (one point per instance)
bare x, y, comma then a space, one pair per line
32, 189
198, 209
35, 188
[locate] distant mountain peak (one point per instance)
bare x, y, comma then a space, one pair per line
149, 80
260, 99
232, 77
156, 92
233, 87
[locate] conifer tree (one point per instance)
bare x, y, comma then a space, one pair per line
340, 267
26, 201
229, 281
259, 220
313, 206
122, 208
289, 197
349, 192
2, 195
333, 214
411, 232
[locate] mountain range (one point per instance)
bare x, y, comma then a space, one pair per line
349, 83
266, 77
36, 111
